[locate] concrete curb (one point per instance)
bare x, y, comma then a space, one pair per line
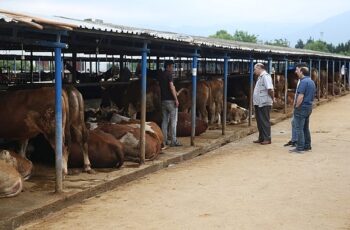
68, 200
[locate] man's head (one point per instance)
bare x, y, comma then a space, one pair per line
169, 65
259, 68
302, 70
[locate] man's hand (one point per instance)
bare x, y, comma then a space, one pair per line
176, 103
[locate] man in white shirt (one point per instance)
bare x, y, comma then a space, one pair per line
263, 98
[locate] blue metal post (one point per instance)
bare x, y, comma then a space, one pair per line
319, 80
143, 102
285, 86
327, 69
333, 78
226, 58
269, 65
349, 76
39, 69
194, 96
58, 115
344, 75
251, 83
339, 75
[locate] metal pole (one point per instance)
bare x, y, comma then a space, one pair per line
349, 76
39, 71
15, 67
226, 58
333, 78
344, 75
270, 65
194, 96
251, 81
158, 63
143, 103
340, 76
327, 66
31, 66
319, 80
285, 86
74, 66
58, 115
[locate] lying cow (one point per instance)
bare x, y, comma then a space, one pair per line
183, 128
11, 181
22, 164
104, 151
236, 114
129, 135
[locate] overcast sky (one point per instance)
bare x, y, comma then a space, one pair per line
197, 17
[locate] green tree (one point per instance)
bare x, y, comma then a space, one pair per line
279, 42
300, 44
244, 36
317, 45
223, 34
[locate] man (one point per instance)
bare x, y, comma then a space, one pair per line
293, 141
170, 104
263, 98
305, 94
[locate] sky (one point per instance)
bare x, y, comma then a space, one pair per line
268, 19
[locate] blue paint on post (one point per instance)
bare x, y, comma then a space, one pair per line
226, 58
333, 77
285, 86
194, 96
58, 116
251, 84
319, 80
269, 65
143, 102
327, 67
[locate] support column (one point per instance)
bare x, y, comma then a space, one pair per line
224, 113
327, 66
74, 65
58, 116
251, 84
143, 102
285, 86
194, 96
333, 94
319, 80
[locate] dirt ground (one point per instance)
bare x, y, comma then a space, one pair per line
238, 186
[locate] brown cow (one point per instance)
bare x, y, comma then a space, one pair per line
11, 182
78, 131
104, 151
22, 164
216, 104
27, 113
129, 135
184, 125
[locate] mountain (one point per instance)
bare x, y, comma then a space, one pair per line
334, 30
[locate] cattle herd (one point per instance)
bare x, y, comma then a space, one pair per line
109, 135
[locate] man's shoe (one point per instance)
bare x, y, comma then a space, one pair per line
307, 148
176, 144
295, 150
290, 143
257, 141
265, 142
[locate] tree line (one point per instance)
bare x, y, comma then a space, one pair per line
310, 44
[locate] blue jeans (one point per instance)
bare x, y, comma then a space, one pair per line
169, 114
301, 119
294, 131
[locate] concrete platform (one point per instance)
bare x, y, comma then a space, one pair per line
38, 199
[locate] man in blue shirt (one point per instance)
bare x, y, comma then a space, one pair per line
305, 95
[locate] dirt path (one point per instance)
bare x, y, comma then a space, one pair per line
239, 186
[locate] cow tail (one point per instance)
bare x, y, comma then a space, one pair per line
120, 155
66, 120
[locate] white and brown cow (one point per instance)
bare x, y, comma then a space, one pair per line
236, 114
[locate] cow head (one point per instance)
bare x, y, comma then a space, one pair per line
184, 98
236, 114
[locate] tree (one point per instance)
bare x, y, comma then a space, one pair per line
317, 46
223, 34
278, 42
244, 36
300, 44
239, 35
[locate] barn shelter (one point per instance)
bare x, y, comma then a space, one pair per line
89, 39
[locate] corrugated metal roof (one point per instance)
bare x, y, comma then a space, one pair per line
187, 39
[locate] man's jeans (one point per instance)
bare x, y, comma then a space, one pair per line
301, 120
294, 131
169, 114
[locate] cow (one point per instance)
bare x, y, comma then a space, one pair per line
183, 128
27, 113
216, 106
11, 182
129, 135
22, 164
77, 132
279, 81
236, 114
203, 100
104, 151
